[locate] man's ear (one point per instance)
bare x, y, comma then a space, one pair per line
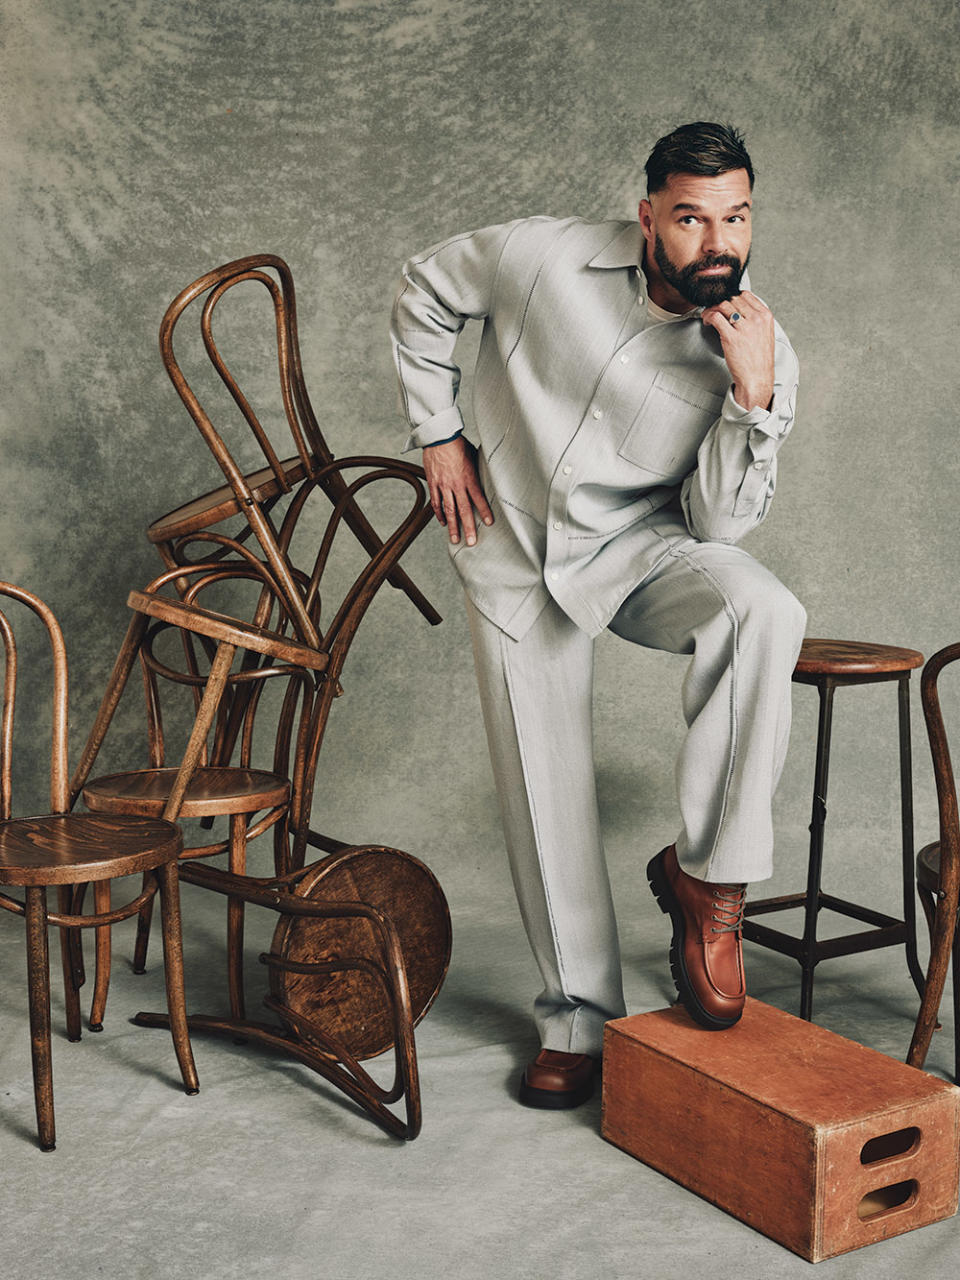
645, 214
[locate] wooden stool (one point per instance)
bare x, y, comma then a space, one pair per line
828, 665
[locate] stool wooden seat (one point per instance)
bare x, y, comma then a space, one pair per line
853, 660
829, 665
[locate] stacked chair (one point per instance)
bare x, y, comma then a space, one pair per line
362, 941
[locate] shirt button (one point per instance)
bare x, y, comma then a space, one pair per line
598, 413
624, 359
758, 466
567, 470
554, 577
557, 524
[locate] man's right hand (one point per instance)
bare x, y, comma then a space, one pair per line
455, 488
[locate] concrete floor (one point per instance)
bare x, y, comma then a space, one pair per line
270, 1172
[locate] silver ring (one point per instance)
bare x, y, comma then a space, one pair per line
735, 317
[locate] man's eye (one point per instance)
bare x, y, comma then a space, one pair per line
688, 219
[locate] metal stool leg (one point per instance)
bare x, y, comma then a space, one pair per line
818, 819
906, 827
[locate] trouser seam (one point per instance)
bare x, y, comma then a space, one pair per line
532, 809
732, 614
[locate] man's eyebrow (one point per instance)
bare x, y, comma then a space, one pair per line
695, 208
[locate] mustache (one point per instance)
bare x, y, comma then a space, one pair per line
714, 260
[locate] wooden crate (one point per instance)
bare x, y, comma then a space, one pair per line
819, 1143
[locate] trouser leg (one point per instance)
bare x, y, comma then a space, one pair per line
743, 629
536, 695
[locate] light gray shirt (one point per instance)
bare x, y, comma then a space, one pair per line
603, 438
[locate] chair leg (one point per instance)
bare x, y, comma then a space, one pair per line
101, 980
238, 866
173, 973
71, 985
143, 935
818, 819
906, 830
943, 946
38, 982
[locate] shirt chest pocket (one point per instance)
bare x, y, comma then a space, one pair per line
667, 432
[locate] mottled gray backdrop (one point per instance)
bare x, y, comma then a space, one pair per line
144, 143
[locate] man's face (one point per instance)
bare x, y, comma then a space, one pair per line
698, 235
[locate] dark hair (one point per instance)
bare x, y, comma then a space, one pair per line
702, 148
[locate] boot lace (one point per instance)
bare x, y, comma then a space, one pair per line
728, 905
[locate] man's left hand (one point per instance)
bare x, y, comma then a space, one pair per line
745, 327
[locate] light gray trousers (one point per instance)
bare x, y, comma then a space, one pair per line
743, 630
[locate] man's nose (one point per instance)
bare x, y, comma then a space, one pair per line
714, 239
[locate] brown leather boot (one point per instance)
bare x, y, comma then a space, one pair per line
706, 954
556, 1081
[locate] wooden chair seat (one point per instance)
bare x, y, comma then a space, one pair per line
221, 503
73, 848
212, 791
221, 627
854, 658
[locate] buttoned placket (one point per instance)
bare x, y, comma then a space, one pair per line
574, 461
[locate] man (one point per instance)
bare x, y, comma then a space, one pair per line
631, 395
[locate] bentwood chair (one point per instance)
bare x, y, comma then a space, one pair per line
70, 851
253, 494
938, 872
368, 885
254, 801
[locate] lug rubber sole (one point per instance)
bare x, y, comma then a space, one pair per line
668, 904
554, 1100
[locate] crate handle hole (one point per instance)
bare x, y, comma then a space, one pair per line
885, 1199
888, 1145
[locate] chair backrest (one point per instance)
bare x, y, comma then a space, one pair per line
310, 457
306, 438
59, 776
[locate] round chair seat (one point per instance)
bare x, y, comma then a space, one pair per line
72, 848
351, 1003
210, 508
210, 792
854, 658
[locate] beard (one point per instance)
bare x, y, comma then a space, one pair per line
709, 290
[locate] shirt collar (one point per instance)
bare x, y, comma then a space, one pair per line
626, 250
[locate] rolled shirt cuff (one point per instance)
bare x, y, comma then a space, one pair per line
773, 422
441, 427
